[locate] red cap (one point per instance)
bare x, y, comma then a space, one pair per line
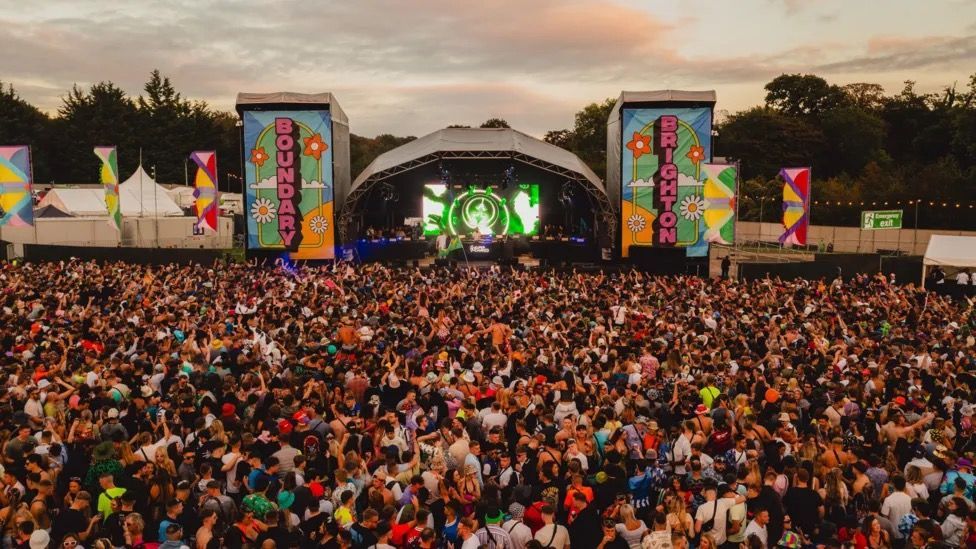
228, 410
900, 400
284, 427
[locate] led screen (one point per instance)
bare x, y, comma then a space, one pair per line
487, 211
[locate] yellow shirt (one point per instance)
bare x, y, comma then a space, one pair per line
343, 516
708, 395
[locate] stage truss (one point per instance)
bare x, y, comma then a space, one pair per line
605, 218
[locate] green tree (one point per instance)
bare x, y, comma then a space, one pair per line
588, 138
864, 95
765, 140
854, 137
24, 124
803, 94
363, 150
559, 138
102, 115
168, 125
495, 123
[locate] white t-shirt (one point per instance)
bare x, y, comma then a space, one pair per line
758, 531
962, 278
230, 474
895, 507
681, 451
560, 538
715, 510
519, 532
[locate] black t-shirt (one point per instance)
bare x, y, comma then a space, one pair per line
802, 505
235, 538
366, 535
70, 521
310, 528
115, 525
140, 490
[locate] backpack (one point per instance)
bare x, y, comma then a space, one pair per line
225, 516
719, 442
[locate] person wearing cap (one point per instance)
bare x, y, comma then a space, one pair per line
961, 472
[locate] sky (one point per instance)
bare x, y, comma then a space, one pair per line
410, 67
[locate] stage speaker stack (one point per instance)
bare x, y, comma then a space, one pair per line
665, 261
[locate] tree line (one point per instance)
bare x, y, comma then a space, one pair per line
868, 149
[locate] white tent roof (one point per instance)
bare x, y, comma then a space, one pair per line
951, 251
140, 197
478, 139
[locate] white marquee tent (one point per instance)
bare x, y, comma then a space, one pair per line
140, 196
949, 251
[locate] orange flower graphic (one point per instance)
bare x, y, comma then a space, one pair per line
258, 156
640, 145
696, 154
314, 146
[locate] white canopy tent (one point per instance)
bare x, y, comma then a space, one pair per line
949, 251
139, 195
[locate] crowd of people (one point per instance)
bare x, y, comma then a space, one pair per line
274, 405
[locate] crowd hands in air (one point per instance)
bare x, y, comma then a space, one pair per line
272, 405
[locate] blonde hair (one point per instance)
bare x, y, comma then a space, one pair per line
627, 513
138, 524
162, 460
217, 431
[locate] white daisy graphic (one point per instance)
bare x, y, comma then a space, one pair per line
692, 207
636, 223
318, 224
263, 211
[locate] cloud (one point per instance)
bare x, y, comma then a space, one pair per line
890, 53
409, 68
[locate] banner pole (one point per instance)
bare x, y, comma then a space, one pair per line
30, 192
735, 227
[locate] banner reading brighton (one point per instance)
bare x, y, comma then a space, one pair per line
288, 181
16, 201
205, 190
796, 205
110, 180
662, 194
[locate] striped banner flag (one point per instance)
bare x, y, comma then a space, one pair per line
110, 180
206, 189
796, 205
16, 198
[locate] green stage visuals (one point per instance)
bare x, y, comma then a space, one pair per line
486, 211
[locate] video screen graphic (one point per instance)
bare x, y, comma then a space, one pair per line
485, 211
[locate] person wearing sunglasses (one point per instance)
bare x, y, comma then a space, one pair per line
70, 542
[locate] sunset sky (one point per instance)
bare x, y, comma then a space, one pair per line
411, 67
